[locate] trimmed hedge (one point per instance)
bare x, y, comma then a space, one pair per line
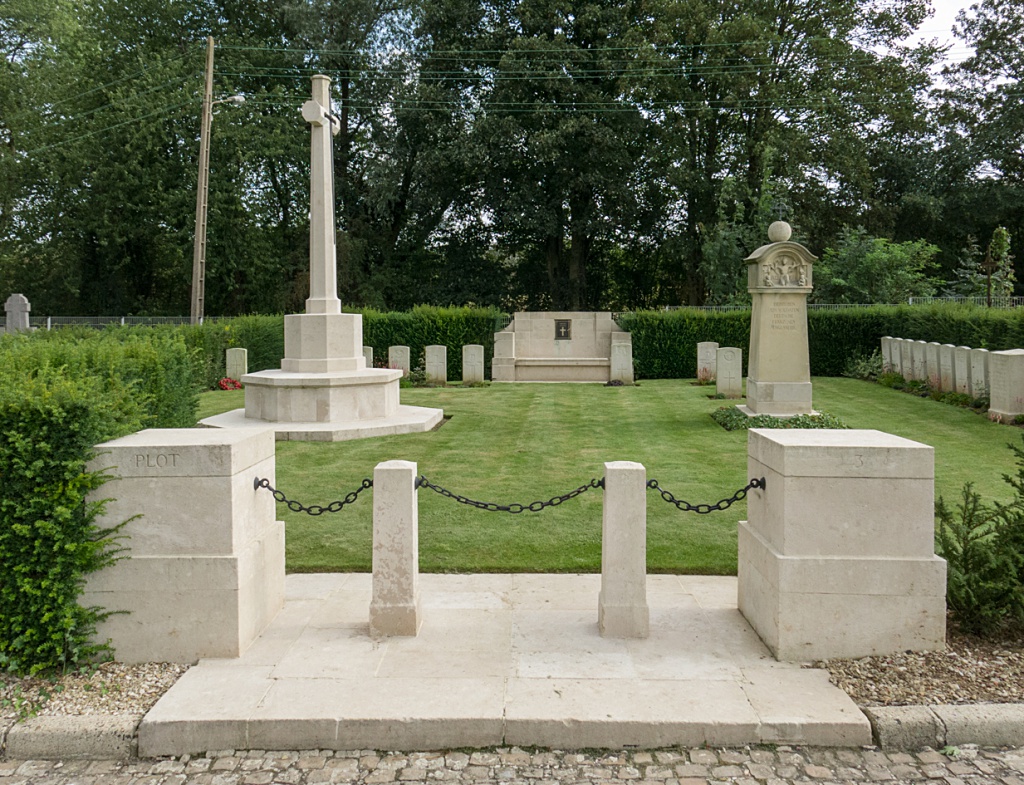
665, 342
49, 540
61, 393
263, 337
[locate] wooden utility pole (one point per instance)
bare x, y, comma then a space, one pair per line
199, 248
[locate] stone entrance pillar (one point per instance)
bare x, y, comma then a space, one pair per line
779, 280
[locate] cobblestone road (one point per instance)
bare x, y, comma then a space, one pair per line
746, 766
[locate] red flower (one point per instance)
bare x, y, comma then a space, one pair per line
228, 383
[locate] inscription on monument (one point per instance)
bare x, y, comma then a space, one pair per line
158, 460
785, 316
563, 329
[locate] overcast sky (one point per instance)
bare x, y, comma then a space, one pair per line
940, 26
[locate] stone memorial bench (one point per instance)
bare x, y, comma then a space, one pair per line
562, 347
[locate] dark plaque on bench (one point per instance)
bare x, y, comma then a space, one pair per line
563, 329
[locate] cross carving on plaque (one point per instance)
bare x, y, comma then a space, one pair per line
563, 329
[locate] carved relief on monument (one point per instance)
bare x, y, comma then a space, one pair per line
784, 270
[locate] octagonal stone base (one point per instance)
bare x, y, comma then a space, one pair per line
327, 406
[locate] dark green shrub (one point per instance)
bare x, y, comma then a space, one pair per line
732, 419
983, 545
867, 368
156, 366
49, 541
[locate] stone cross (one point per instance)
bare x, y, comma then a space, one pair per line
17, 308
323, 264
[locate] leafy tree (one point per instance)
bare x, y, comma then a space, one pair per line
865, 269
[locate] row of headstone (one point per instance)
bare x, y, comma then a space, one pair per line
722, 365
436, 362
961, 369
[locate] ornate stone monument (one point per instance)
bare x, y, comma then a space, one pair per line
778, 369
324, 391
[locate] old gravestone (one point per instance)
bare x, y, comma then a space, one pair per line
707, 353
779, 372
17, 308
979, 373
472, 363
399, 359
729, 362
1006, 385
962, 369
947, 373
437, 364
237, 363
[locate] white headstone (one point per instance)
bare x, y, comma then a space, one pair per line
17, 308
368, 356
962, 369
621, 360
919, 368
979, 373
931, 361
437, 364
1006, 384
729, 381
907, 358
947, 372
237, 363
472, 363
887, 347
398, 358
707, 352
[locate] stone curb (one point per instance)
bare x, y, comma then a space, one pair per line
894, 728
82, 737
913, 727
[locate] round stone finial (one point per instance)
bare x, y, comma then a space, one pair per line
779, 232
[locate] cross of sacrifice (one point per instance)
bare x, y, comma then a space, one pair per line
564, 330
323, 264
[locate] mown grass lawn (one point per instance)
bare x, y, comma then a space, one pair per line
520, 443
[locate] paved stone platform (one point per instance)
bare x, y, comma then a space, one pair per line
501, 660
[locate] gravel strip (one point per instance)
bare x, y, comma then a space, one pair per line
970, 670
109, 688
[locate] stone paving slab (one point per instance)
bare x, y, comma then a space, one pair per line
747, 765
501, 659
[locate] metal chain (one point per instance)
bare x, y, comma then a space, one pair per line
704, 509
423, 482
313, 509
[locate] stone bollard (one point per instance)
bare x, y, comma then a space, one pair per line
837, 558
437, 364
205, 569
236, 363
472, 364
622, 610
368, 356
398, 358
395, 606
707, 361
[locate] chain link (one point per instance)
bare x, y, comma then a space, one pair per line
704, 509
515, 509
313, 509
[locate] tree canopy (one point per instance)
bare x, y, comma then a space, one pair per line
578, 154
